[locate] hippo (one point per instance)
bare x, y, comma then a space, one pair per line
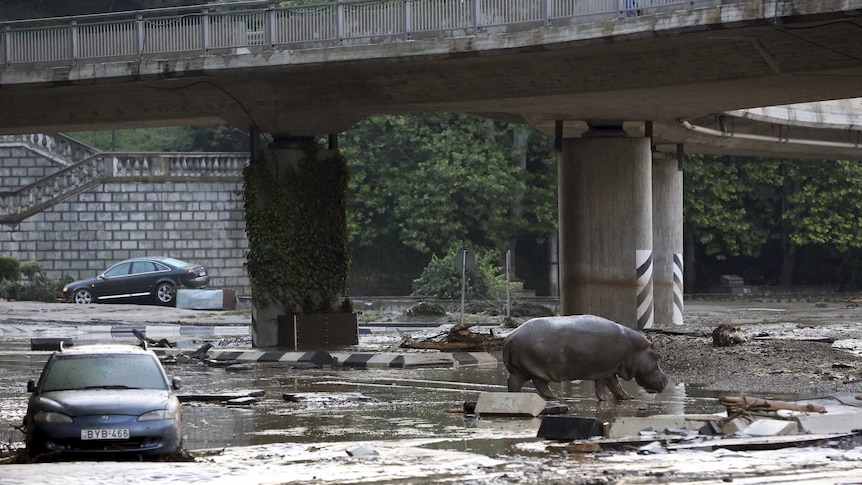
580, 347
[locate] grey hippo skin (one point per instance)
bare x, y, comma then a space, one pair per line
580, 347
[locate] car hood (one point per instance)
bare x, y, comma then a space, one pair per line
104, 401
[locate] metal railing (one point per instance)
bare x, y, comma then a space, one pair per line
264, 24
118, 167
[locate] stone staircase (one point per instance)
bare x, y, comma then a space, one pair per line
85, 167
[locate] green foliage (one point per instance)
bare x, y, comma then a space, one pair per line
32, 270
10, 269
420, 182
37, 287
441, 279
823, 206
296, 227
729, 203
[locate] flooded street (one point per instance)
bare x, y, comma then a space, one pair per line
336, 424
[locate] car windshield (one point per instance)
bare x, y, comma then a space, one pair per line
102, 371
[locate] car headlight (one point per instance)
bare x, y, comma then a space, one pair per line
51, 417
159, 415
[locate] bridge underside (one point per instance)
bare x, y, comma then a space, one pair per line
688, 65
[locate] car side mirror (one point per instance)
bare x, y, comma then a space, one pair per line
176, 383
31, 386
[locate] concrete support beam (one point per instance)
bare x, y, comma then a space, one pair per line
605, 219
667, 240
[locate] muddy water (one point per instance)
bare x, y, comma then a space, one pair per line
338, 404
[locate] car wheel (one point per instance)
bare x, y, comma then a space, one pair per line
166, 294
83, 296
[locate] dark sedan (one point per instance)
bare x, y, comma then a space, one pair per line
151, 280
103, 399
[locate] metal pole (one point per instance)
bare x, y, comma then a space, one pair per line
463, 281
508, 301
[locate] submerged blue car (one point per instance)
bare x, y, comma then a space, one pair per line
103, 399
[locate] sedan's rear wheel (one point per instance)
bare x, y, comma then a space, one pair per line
165, 294
83, 296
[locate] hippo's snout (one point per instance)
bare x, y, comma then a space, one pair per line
654, 382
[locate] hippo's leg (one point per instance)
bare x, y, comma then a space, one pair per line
612, 384
544, 390
515, 382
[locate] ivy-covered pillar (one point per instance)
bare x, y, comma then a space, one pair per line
297, 261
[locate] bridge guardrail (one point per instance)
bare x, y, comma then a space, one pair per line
264, 24
106, 167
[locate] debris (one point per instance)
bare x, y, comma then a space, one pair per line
242, 401
424, 308
771, 427
569, 428
361, 451
726, 335
327, 398
580, 447
220, 397
458, 338
49, 343
652, 448
161, 343
747, 405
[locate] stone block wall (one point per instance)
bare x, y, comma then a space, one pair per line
194, 221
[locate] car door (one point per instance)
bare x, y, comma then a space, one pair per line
145, 275
113, 283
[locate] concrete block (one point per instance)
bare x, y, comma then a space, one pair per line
632, 426
569, 428
771, 427
735, 425
829, 423
514, 403
206, 299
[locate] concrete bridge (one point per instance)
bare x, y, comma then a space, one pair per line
626, 90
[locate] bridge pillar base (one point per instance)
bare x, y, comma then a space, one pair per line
605, 218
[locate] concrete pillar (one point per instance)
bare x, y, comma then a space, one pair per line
605, 215
264, 315
667, 239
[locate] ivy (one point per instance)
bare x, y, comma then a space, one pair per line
297, 232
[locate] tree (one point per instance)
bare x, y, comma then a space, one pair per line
420, 182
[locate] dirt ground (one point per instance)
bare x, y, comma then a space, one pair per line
801, 349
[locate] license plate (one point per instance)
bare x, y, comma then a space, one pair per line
104, 434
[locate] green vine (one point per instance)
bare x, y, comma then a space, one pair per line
296, 223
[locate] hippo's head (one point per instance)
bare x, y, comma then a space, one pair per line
643, 366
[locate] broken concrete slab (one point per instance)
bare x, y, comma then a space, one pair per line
220, 397
829, 423
735, 425
632, 426
771, 427
758, 443
512, 403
